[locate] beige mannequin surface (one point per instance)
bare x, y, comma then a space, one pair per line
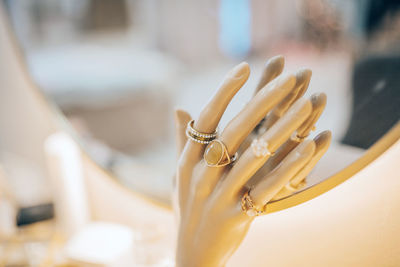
216, 200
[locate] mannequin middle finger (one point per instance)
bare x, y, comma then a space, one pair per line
272, 69
248, 163
303, 78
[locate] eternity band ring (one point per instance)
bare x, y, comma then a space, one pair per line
199, 137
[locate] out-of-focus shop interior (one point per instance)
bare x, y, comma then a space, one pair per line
113, 71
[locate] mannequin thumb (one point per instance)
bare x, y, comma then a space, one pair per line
181, 118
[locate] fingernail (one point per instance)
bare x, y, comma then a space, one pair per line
240, 71
306, 148
303, 76
286, 81
323, 137
301, 107
278, 60
318, 100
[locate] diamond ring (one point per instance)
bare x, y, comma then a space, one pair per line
260, 148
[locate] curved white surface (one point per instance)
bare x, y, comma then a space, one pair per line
355, 224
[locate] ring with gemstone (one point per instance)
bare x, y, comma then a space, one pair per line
296, 138
248, 206
216, 154
260, 148
199, 137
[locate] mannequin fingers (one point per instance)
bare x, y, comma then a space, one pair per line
322, 141
303, 78
264, 191
318, 102
248, 163
272, 69
242, 125
215, 108
181, 119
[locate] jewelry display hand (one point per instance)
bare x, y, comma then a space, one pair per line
216, 200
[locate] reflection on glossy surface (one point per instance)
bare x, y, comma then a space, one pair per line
118, 81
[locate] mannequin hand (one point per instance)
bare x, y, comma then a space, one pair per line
212, 223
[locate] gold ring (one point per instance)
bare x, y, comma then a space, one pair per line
260, 148
296, 138
216, 154
248, 206
199, 137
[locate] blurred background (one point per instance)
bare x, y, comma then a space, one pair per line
117, 69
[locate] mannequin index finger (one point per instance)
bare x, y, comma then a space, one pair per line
215, 108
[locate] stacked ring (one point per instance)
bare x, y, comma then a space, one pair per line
199, 137
248, 206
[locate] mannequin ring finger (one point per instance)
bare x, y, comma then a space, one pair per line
216, 154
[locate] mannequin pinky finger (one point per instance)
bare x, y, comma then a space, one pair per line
267, 188
297, 182
322, 141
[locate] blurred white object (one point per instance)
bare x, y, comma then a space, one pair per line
8, 214
101, 244
97, 243
8, 210
90, 244
25, 179
65, 167
101, 70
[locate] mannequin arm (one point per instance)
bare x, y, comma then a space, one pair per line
212, 204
